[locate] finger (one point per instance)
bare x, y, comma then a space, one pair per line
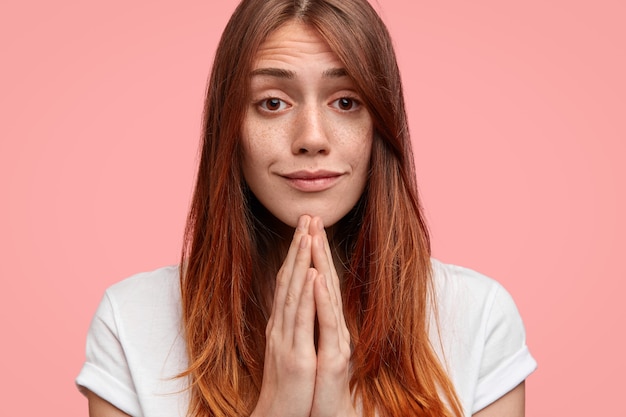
294, 293
334, 278
329, 338
283, 277
303, 337
323, 260
317, 229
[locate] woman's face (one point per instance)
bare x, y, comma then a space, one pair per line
307, 137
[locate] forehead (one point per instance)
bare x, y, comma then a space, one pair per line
292, 40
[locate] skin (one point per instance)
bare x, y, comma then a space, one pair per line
101, 408
305, 116
297, 381
509, 405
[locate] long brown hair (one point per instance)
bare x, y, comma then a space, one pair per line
227, 266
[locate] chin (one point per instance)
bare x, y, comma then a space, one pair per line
288, 212
328, 218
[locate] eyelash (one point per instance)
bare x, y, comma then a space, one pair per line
354, 103
262, 103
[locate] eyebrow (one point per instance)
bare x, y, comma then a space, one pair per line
290, 75
274, 72
335, 73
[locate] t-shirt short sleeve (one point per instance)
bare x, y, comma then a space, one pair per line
105, 371
506, 360
479, 336
135, 349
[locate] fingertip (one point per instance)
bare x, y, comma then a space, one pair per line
310, 274
319, 223
322, 280
303, 223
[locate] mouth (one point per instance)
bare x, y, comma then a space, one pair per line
312, 181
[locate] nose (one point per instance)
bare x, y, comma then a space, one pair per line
310, 136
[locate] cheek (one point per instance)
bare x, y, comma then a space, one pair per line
259, 141
248, 155
252, 143
360, 147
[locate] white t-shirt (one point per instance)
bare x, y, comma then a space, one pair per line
135, 347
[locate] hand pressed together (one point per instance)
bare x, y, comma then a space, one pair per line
297, 380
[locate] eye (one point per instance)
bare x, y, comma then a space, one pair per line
346, 103
272, 104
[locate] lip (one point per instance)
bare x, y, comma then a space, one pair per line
312, 181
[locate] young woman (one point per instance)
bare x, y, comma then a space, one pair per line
306, 286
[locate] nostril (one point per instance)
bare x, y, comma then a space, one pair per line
322, 151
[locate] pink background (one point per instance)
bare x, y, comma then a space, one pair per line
517, 112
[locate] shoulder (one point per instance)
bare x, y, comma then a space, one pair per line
479, 335
135, 344
146, 305
464, 295
473, 306
452, 281
146, 285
